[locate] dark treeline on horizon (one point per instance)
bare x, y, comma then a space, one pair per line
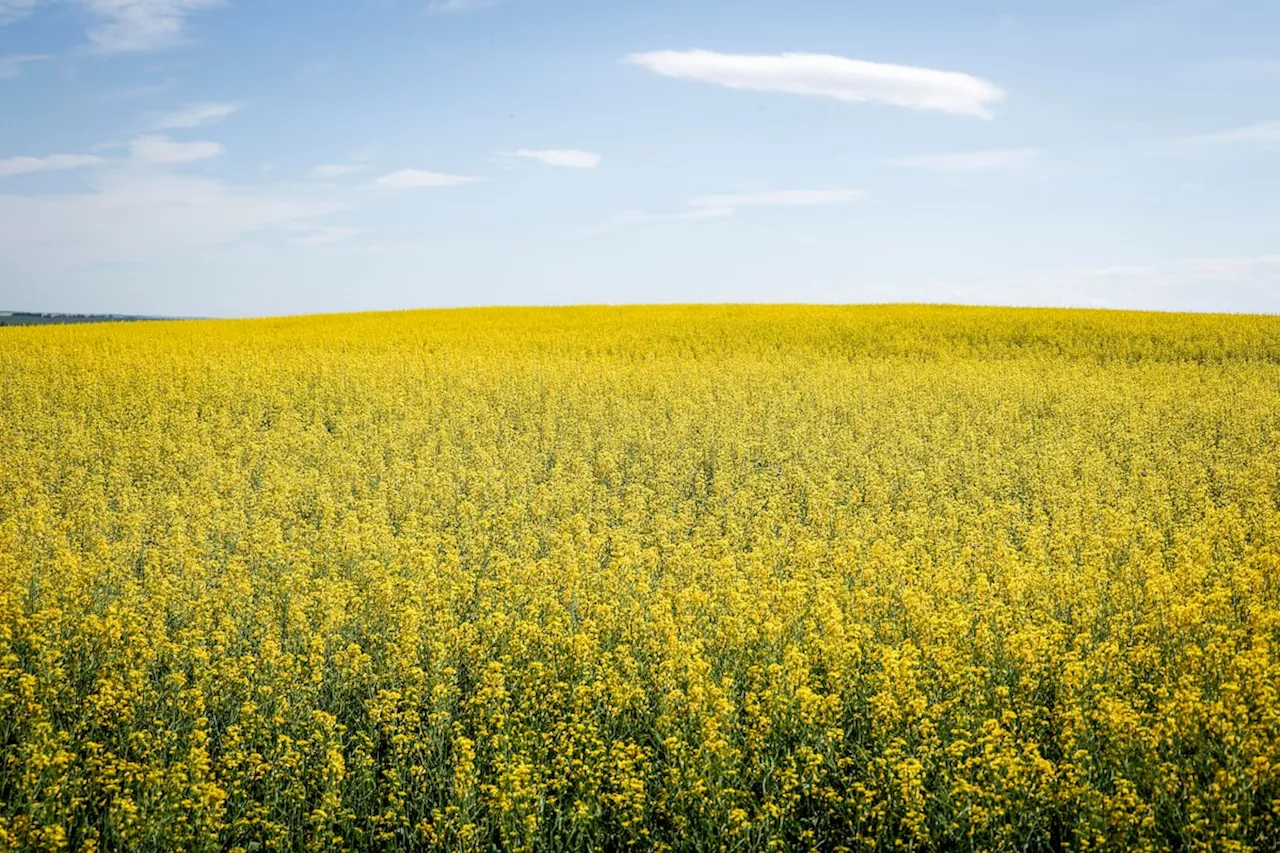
36, 318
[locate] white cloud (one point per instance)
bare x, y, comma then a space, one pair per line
196, 115
563, 157
135, 26
975, 161
11, 66
453, 7
337, 170
50, 163
849, 80
1268, 131
133, 216
418, 179
163, 151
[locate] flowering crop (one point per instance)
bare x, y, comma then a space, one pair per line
694, 578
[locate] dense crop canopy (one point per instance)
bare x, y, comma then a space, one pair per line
695, 579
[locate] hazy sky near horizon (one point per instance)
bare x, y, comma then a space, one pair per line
237, 158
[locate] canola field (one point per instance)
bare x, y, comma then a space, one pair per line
669, 579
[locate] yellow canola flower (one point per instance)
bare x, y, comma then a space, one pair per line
671, 578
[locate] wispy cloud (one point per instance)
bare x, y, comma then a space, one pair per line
126, 26
407, 179
337, 170
11, 66
137, 26
974, 161
457, 7
163, 151
136, 216
849, 80
563, 157
49, 163
196, 115
13, 10
1267, 131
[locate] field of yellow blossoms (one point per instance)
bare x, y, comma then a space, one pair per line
669, 579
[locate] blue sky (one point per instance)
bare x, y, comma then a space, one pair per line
237, 158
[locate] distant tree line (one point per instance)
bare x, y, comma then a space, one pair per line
26, 318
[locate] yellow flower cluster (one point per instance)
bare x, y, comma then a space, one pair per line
669, 579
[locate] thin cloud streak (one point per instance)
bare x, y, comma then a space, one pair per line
49, 163
163, 151
848, 80
565, 157
418, 179
196, 115
11, 67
